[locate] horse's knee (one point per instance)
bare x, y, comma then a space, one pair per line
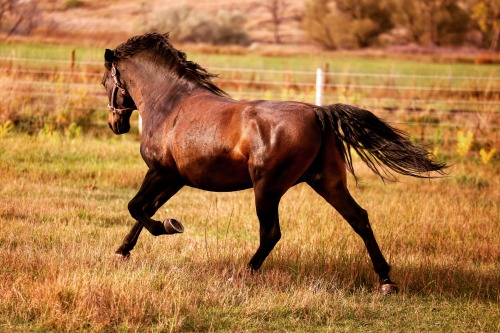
135, 208
150, 210
360, 222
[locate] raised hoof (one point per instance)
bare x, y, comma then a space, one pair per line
388, 288
172, 226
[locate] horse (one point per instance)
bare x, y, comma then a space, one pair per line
194, 134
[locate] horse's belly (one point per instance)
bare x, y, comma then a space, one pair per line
217, 174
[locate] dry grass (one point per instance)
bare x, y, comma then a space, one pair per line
50, 94
63, 213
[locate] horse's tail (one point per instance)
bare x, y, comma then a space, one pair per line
382, 147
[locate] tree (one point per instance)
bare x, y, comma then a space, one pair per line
433, 22
280, 12
369, 18
486, 14
346, 23
19, 15
317, 24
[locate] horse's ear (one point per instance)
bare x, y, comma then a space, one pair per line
109, 57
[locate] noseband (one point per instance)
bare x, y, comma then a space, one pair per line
113, 106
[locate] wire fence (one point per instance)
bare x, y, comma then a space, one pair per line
431, 100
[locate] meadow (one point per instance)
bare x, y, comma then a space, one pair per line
63, 213
66, 182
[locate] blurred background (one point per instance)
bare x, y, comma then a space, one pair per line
331, 24
432, 65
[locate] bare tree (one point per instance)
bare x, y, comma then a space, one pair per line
6, 6
19, 13
280, 12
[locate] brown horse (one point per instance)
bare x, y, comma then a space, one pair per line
194, 135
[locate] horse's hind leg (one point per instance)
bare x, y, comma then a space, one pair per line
340, 198
266, 204
156, 189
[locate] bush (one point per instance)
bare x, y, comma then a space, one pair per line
189, 25
73, 4
433, 23
346, 24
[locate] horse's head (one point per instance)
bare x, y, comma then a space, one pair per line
121, 103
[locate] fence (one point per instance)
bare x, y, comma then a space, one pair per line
427, 99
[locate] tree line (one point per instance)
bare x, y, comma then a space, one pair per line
362, 23
347, 24
333, 24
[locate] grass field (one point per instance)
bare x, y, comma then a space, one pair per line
64, 195
63, 213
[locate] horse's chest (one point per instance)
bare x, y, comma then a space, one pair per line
149, 155
153, 155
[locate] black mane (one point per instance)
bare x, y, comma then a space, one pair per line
175, 59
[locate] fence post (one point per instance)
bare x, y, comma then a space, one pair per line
327, 70
72, 60
319, 86
139, 124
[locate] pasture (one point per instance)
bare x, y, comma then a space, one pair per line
63, 213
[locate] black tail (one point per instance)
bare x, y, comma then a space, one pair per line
381, 146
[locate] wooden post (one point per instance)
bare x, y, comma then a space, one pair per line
72, 60
319, 86
327, 70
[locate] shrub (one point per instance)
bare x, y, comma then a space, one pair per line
73, 4
464, 142
6, 127
486, 156
346, 24
189, 25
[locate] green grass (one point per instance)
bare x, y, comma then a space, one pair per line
51, 52
338, 61
63, 213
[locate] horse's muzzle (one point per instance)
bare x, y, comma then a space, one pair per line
119, 127
172, 226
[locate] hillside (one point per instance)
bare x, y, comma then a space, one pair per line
103, 22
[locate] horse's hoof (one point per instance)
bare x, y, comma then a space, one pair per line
122, 255
388, 288
243, 275
172, 226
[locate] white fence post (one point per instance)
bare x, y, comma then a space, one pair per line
319, 86
139, 124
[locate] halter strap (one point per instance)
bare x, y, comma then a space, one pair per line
112, 106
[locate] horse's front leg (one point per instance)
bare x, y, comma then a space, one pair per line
155, 190
130, 240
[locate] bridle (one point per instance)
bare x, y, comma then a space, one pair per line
113, 106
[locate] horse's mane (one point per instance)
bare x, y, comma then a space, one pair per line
176, 60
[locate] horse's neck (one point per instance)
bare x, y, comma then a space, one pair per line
157, 89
